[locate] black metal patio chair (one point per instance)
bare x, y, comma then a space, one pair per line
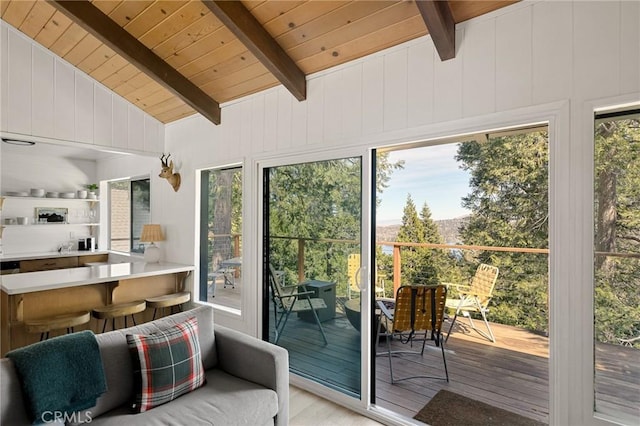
294, 298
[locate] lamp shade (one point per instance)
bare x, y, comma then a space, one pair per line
151, 233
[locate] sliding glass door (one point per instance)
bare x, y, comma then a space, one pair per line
312, 274
616, 266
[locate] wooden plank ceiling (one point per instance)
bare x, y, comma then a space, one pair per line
216, 58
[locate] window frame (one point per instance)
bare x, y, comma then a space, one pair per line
201, 284
131, 237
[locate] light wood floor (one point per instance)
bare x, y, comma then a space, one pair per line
307, 409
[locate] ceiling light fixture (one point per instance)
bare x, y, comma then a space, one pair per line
18, 142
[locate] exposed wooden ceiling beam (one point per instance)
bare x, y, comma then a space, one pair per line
235, 16
438, 18
108, 32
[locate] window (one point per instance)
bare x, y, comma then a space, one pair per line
616, 296
129, 209
221, 237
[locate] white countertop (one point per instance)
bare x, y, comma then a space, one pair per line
47, 255
71, 277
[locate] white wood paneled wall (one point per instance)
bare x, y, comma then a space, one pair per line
42, 95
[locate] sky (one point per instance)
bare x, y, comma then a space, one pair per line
431, 175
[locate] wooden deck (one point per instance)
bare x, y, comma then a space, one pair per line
511, 374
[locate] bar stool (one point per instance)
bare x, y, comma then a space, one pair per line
58, 322
168, 301
117, 310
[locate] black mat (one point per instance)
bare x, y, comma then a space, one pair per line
451, 409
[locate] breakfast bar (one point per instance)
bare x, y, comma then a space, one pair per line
41, 294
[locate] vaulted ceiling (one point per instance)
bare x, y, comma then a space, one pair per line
175, 57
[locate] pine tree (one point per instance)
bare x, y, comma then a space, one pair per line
412, 230
509, 205
419, 264
617, 229
430, 229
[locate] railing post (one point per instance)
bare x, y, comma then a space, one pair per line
236, 245
236, 253
300, 260
396, 269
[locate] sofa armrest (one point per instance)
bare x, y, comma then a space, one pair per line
257, 361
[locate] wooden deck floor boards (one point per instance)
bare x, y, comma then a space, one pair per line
511, 374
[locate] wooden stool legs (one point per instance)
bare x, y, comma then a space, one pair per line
168, 301
111, 312
58, 322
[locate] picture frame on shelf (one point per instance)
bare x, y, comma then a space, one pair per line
51, 215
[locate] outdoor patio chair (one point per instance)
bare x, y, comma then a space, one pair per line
475, 298
288, 299
227, 276
630, 341
416, 317
353, 277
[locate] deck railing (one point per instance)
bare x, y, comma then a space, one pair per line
397, 257
397, 252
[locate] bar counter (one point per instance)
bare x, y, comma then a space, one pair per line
71, 277
42, 294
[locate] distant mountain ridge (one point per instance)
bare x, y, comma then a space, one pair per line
448, 228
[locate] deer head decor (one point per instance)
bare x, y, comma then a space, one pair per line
167, 172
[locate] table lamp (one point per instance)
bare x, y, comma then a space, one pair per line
150, 234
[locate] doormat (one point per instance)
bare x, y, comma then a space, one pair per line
452, 409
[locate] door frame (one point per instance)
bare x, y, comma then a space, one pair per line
364, 154
561, 119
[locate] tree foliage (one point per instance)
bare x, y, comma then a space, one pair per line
316, 204
224, 219
421, 265
617, 229
509, 203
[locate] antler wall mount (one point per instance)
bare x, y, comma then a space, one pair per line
167, 172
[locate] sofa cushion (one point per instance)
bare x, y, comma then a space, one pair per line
118, 368
167, 364
223, 400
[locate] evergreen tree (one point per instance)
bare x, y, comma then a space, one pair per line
412, 229
446, 267
419, 264
430, 229
509, 205
617, 229
319, 200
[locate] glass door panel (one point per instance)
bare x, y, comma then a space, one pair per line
220, 237
312, 225
450, 212
617, 265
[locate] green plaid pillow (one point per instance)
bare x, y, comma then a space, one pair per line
166, 364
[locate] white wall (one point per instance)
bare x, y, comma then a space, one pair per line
21, 172
511, 66
43, 96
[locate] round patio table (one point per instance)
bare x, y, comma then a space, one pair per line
352, 310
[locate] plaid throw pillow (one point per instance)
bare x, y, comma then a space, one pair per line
166, 364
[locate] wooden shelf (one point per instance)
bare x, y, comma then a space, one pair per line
49, 224
13, 197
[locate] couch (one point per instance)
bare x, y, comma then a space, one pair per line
247, 381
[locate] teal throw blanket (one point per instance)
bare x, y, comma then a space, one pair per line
63, 374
